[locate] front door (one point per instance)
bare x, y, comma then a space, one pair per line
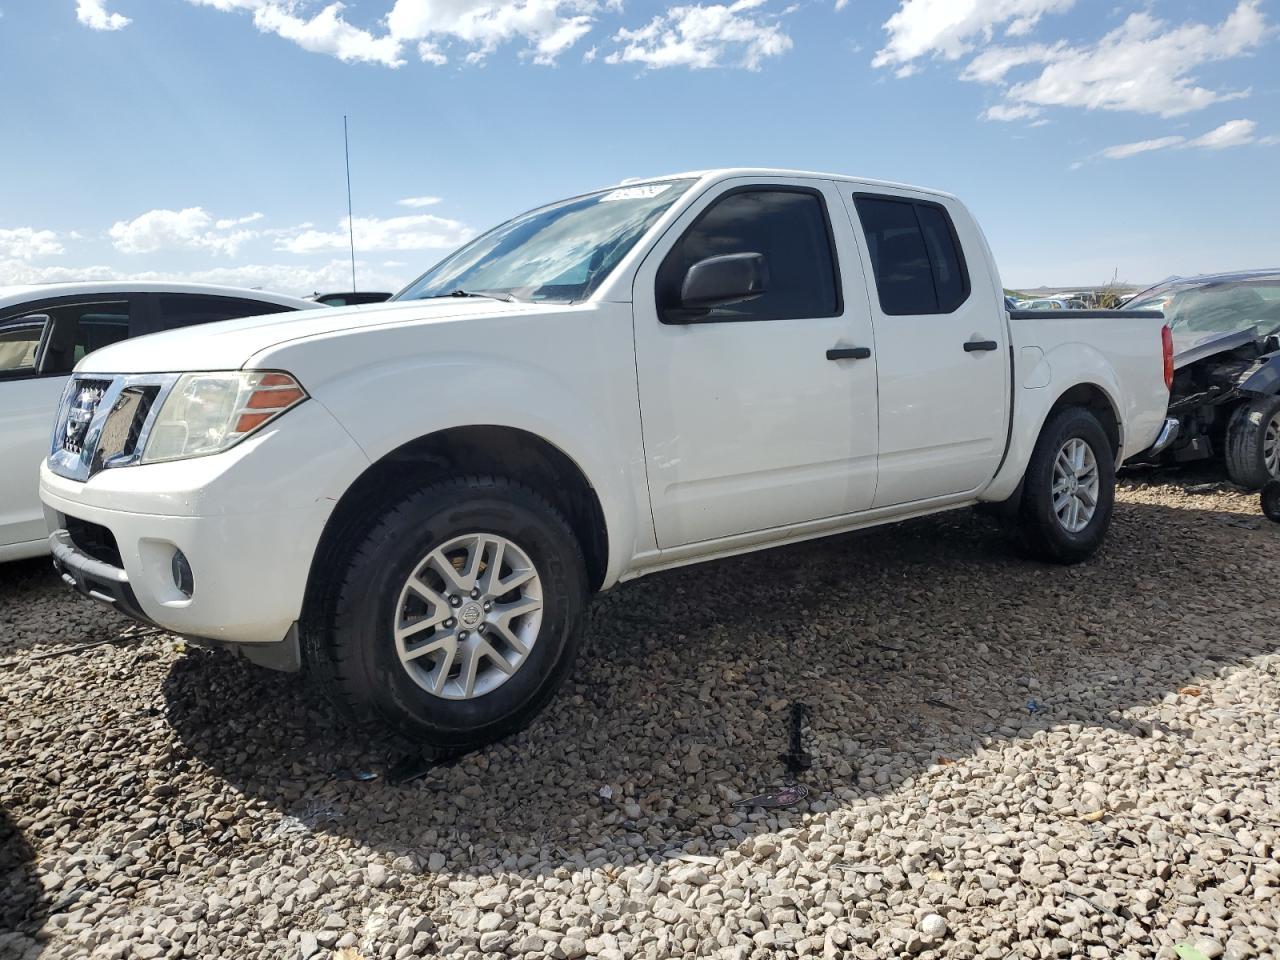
748, 424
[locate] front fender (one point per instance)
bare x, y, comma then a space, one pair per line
1263, 378
388, 404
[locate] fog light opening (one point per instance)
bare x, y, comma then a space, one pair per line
183, 579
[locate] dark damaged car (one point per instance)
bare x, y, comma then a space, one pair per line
1226, 385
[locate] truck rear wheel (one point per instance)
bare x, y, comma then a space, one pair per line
459, 614
1253, 443
1068, 494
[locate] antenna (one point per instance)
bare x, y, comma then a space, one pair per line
351, 224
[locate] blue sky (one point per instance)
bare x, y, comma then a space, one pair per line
203, 138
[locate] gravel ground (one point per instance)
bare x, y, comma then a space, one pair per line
1009, 760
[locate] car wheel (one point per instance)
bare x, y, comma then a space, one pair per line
1253, 443
459, 614
1068, 493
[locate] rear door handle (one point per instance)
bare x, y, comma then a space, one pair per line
849, 353
976, 346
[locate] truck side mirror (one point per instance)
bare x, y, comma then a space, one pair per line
729, 278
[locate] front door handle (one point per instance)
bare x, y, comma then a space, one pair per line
849, 353
977, 346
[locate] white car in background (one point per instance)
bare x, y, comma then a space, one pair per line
45, 331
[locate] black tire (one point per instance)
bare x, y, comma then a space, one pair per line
1246, 439
1043, 535
353, 655
1271, 500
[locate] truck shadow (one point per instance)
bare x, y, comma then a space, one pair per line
23, 906
912, 645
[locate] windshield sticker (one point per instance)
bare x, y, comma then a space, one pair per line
636, 193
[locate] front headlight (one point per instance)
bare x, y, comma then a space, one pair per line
206, 413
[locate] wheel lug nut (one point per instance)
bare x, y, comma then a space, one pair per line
455, 601
450, 623
488, 605
480, 629
462, 635
475, 592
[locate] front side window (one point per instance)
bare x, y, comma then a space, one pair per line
556, 254
919, 268
19, 343
63, 335
789, 228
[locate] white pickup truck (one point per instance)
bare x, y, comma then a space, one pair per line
413, 501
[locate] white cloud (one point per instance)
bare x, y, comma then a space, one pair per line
704, 35
549, 27
1145, 65
421, 231
418, 202
237, 221
1123, 151
951, 28
93, 14
189, 229
325, 32
293, 279
1233, 133
1011, 111
25, 243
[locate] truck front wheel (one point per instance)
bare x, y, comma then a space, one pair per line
1069, 491
458, 616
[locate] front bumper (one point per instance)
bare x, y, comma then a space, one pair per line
94, 578
247, 521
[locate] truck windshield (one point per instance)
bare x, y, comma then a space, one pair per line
1215, 306
556, 254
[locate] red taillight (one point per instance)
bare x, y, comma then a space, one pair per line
1166, 340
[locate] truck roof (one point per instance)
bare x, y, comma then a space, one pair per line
724, 173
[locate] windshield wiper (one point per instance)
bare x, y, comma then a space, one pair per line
504, 297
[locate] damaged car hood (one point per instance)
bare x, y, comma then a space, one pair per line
1191, 346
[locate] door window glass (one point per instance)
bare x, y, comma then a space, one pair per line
918, 266
185, 310
789, 228
19, 343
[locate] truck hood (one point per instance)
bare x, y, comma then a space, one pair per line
230, 344
1191, 347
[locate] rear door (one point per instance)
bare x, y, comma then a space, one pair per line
747, 423
40, 343
941, 346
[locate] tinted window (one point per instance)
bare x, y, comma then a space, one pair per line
789, 227
917, 261
185, 310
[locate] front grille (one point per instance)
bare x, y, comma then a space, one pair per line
84, 400
123, 425
94, 539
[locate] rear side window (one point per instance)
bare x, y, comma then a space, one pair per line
918, 265
185, 310
789, 228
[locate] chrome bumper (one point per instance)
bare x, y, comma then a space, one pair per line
1168, 434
